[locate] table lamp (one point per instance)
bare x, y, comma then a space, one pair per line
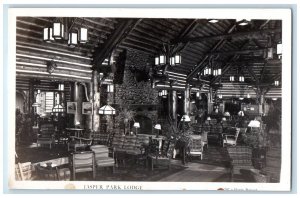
77, 124
185, 118
136, 125
158, 127
254, 123
208, 119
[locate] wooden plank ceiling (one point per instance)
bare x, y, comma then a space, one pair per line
225, 43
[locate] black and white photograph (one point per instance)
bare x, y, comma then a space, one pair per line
87, 108
71, 107
166, 100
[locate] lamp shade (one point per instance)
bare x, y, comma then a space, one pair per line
223, 119
157, 126
254, 123
185, 118
136, 125
226, 113
107, 110
208, 118
58, 108
241, 113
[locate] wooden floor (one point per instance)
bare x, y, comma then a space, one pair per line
196, 172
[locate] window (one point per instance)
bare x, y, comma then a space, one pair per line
49, 101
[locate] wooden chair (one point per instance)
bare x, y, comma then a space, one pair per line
163, 157
46, 135
196, 146
229, 139
23, 171
102, 158
83, 162
79, 143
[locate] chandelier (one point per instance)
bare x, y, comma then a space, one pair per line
212, 68
60, 31
240, 76
168, 57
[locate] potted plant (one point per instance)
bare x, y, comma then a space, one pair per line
125, 116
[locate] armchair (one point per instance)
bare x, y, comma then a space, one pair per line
83, 162
163, 157
102, 158
196, 146
229, 139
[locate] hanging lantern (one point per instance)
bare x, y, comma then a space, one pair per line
162, 59
164, 93
58, 30
61, 87
110, 88
48, 35
157, 60
241, 79
83, 35
219, 71
73, 41
172, 61
215, 72
177, 59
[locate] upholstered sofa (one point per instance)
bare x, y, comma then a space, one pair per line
131, 144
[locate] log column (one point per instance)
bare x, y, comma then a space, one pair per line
210, 103
173, 105
186, 109
78, 99
89, 118
96, 102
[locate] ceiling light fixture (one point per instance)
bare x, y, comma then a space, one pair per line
213, 20
60, 31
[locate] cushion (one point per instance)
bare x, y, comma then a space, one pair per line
105, 161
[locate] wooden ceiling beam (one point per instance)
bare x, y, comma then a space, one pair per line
189, 29
246, 51
253, 75
124, 27
226, 68
218, 45
248, 34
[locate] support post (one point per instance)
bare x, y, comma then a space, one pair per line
187, 100
96, 102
